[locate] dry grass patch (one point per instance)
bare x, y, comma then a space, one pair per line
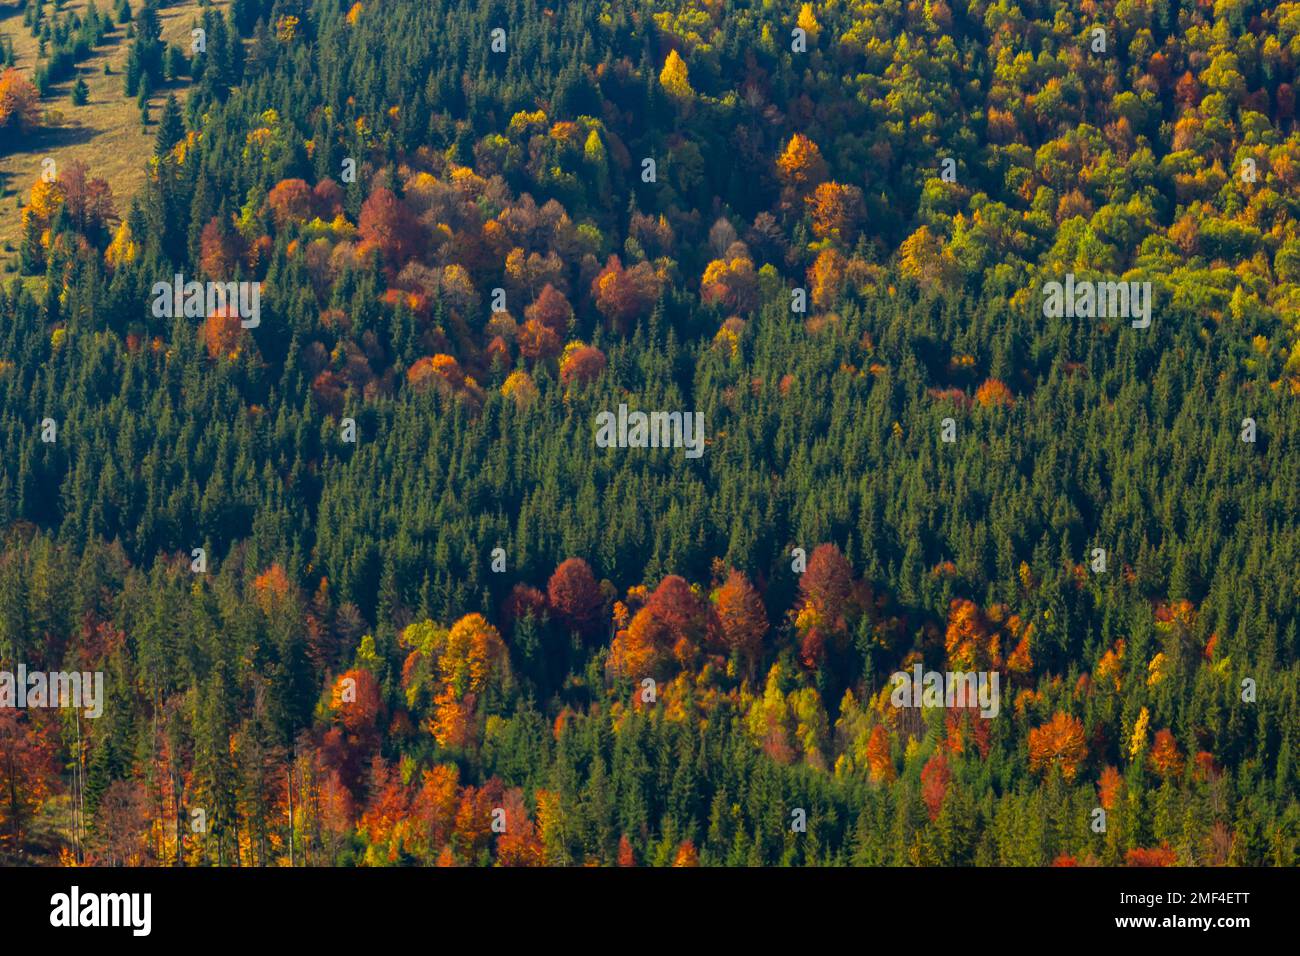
105, 133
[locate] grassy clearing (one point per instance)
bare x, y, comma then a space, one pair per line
105, 133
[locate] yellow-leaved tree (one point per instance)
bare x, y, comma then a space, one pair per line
800, 165
454, 667
674, 78
122, 249
808, 21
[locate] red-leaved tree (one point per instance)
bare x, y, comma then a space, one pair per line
574, 594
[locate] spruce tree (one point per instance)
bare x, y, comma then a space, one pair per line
171, 127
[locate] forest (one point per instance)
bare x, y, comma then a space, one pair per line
366, 590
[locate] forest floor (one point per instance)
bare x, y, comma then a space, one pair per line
105, 133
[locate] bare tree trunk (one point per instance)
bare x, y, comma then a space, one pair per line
160, 840
76, 793
289, 783
179, 812
13, 804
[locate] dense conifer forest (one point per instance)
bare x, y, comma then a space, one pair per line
363, 587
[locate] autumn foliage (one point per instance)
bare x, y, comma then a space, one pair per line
356, 680
290, 201
444, 374
800, 165
537, 342
454, 668
19, 110
552, 310
388, 223
837, 211
28, 769
645, 648
574, 594
1166, 759
879, 758
1059, 742
355, 698
1155, 856
581, 365
220, 249
826, 584
731, 284
742, 617
223, 332
624, 295
970, 639
935, 778
993, 393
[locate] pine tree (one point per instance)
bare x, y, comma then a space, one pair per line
171, 127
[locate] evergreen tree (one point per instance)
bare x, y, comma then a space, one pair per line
171, 127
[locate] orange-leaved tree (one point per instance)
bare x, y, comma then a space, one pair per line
742, 617
1058, 742
19, 105
624, 295
800, 165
